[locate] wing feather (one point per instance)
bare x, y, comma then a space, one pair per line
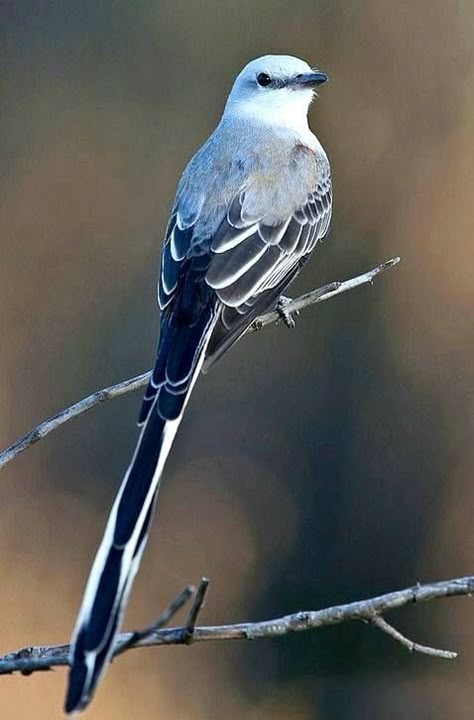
227, 267
246, 287
249, 283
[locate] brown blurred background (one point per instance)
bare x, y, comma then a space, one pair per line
313, 467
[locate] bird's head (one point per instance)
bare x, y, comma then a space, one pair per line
275, 89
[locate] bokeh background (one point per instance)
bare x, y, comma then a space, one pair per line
315, 466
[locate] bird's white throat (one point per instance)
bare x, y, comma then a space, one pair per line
284, 108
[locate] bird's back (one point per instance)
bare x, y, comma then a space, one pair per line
276, 169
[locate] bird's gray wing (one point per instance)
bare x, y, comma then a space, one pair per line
253, 262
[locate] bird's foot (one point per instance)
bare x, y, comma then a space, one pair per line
287, 317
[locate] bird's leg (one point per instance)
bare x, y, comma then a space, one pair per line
284, 314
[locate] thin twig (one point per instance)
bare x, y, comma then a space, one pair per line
122, 388
196, 608
32, 659
380, 623
173, 608
324, 293
54, 422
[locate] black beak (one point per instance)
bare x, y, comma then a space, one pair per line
310, 80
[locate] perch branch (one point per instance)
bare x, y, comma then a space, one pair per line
122, 388
33, 659
323, 293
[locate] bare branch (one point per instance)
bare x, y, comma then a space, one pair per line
54, 422
122, 388
32, 659
380, 623
196, 608
173, 608
323, 293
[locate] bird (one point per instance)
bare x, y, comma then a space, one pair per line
250, 207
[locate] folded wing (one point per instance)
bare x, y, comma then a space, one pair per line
252, 262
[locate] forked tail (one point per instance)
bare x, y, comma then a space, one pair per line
180, 357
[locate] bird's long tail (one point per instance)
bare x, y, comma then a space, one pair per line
180, 357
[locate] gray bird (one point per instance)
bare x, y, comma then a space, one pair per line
250, 208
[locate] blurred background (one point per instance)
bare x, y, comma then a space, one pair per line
314, 467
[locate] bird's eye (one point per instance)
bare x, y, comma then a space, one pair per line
263, 79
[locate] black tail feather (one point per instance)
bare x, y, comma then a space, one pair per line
119, 554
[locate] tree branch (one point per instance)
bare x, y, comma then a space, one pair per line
33, 659
196, 607
173, 608
380, 623
122, 388
323, 293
